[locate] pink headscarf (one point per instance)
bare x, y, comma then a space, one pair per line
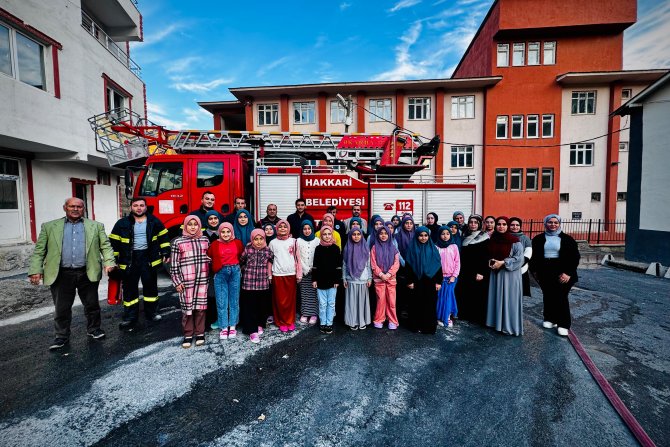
283, 238
186, 221
321, 241
328, 215
230, 227
257, 232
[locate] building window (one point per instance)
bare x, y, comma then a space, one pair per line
380, 110
9, 185
621, 196
516, 179
503, 55
547, 126
268, 114
462, 156
531, 126
419, 108
531, 179
581, 154
547, 179
115, 99
501, 127
626, 93
501, 179
549, 53
534, 53
518, 54
623, 146
583, 103
462, 107
564, 197
303, 112
21, 58
337, 112
595, 197
104, 177
517, 126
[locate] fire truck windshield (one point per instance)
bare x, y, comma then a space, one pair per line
161, 177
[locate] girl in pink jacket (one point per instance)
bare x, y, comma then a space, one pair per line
451, 266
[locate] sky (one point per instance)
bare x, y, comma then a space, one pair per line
195, 51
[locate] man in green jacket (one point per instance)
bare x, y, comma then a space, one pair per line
69, 256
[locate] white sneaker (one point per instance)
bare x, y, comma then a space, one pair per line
563, 331
439, 323
548, 325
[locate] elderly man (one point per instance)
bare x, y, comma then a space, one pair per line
271, 217
69, 256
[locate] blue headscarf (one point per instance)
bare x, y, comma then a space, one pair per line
311, 225
546, 219
457, 238
441, 243
243, 233
424, 259
356, 219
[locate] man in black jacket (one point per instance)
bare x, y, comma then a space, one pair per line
206, 204
295, 219
141, 245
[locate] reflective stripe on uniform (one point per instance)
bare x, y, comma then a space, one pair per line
131, 303
162, 232
150, 299
122, 266
116, 253
115, 237
156, 262
165, 244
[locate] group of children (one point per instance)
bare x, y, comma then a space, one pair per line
257, 274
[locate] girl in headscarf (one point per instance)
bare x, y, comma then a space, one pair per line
307, 243
270, 232
459, 217
515, 224
355, 222
357, 278
189, 270
286, 273
385, 262
554, 266
396, 223
256, 261
455, 233
505, 303
405, 235
489, 225
424, 280
213, 222
473, 282
225, 253
433, 226
329, 220
376, 222
326, 276
243, 226
403, 238
451, 267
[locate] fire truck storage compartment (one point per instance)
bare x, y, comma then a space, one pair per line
419, 201
280, 189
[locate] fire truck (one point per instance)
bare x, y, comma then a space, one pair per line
384, 174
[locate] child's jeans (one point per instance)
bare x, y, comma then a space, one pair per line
326, 305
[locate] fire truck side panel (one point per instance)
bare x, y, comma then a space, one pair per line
445, 202
387, 202
280, 189
340, 190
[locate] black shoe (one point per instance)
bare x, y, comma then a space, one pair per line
199, 340
323, 329
329, 329
58, 343
127, 325
155, 318
97, 334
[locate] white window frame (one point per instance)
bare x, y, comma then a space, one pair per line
306, 112
516, 174
337, 112
623, 146
517, 124
533, 120
502, 120
460, 154
418, 108
549, 53
111, 92
549, 173
519, 54
462, 107
14, 56
548, 118
382, 107
500, 173
268, 110
503, 50
579, 153
626, 94
564, 197
583, 98
532, 173
533, 49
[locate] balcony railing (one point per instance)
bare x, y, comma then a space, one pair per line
94, 30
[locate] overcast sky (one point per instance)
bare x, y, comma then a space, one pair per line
195, 51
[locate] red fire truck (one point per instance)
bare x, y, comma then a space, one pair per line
381, 173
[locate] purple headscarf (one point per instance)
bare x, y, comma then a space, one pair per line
356, 255
384, 251
404, 237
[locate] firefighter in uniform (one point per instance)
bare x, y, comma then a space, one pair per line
141, 245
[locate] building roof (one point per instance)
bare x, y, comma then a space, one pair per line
214, 106
605, 77
639, 99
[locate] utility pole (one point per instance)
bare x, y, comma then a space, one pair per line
347, 104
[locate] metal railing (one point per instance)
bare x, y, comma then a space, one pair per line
592, 231
96, 31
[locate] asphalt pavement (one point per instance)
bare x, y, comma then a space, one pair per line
464, 386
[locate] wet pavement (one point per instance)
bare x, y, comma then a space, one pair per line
464, 386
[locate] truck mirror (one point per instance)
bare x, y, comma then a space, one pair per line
225, 208
129, 179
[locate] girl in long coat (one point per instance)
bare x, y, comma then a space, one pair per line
505, 306
424, 280
309, 303
189, 270
473, 282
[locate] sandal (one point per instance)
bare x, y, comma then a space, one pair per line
199, 340
186, 343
